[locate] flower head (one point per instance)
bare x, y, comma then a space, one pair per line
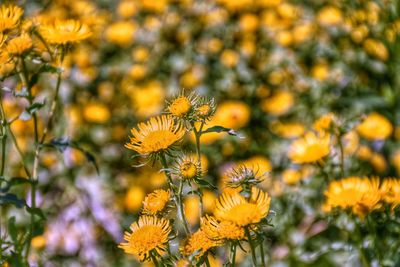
63, 32
155, 202
360, 195
242, 176
148, 234
199, 244
375, 127
390, 189
187, 168
156, 135
235, 208
10, 17
180, 106
19, 45
220, 230
310, 148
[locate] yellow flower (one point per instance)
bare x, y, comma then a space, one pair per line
376, 49
155, 202
19, 45
291, 176
199, 243
96, 112
361, 195
235, 208
121, 33
229, 58
390, 189
329, 16
6, 65
134, 198
10, 16
63, 32
324, 122
147, 99
279, 103
156, 135
309, 148
287, 129
187, 167
375, 127
180, 106
219, 230
148, 234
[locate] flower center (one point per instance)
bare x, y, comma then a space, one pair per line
146, 238
158, 140
180, 107
188, 170
244, 214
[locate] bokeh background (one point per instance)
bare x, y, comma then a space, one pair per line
273, 66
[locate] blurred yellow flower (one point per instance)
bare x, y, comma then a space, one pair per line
126, 8
229, 58
96, 112
38, 242
147, 234
63, 32
279, 103
291, 176
235, 208
155, 202
133, 198
375, 127
324, 122
376, 49
329, 16
156, 135
10, 16
378, 162
121, 33
390, 189
19, 45
147, 99
360, 195
287, 129
192, 209
309, 148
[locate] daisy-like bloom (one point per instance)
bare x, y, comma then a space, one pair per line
149, 234
198, 244
233, 207
390, 189
6, 64
63, 32
19, 45
242, 175
155, 202
221, 230
310, 148
182, 105
156, 135
10, 17
324, 122
187, 168
205, 109
375, 127
360, 195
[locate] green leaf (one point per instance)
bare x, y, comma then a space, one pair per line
13, 182
12, 199
205, 184
34, 107
220, 129
36, 211
12, 230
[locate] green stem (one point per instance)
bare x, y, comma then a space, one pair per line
233, 254
3, 151
197, 134
177, 195
154, 259
252, 247
361, 250
341, 149
206, 260
262, 253
14, 139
